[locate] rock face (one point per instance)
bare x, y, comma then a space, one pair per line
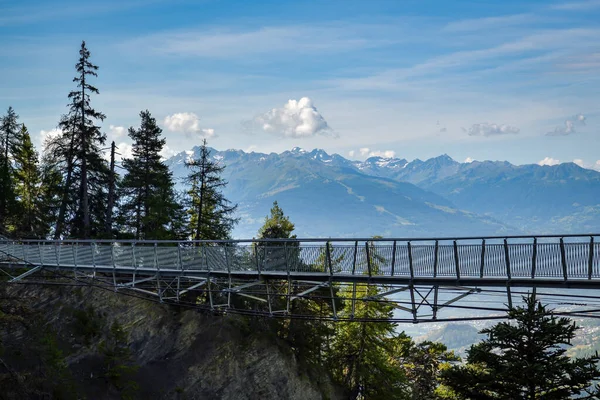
180, 354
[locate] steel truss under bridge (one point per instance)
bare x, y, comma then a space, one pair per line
424, 279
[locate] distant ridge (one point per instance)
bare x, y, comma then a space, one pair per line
329, 195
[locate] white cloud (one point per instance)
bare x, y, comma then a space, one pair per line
469, 160
296, 119
124, 149
364, 151
577, 5
117, 131
549, 161
579, 162
487, 129
188, 123
597, 166
167, 152
51, 134
569, 127
383, 153
351, 153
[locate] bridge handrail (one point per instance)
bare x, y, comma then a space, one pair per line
312, 240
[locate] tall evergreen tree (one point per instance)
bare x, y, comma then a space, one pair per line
211, 214
362, 356
277, 225
526, 359
9, 131
78, 153
30, 218
149, 207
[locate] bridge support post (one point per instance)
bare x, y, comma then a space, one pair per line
591, 258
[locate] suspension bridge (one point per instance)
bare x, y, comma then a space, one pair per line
424, 279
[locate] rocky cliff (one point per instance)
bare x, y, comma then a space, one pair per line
67, 342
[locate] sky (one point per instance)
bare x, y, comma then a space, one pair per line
499, 80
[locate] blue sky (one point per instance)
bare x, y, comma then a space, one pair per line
503, 80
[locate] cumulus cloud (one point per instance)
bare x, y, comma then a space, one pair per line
188, 123
469, 160
549, 161
597, 166
117, 131
579, 162
296, 119
487, 129
367, 152
167, 152
382, 153
569, 126
51, 134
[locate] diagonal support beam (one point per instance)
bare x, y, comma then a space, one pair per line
26, 274
312, 289
133, 283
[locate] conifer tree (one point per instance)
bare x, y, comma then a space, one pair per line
211, 214
526, 359
9, 135
149, 208
77, 152
30, 218
362, 358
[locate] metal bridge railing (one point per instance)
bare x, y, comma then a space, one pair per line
561, 257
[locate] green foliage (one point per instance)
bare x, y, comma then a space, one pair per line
118, 362
525, 359
423, 364
9, 135
58, 379
277, 225
77, 154
149, 208
87, 324
362, 355
210, 213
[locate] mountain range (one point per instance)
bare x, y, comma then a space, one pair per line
330, 196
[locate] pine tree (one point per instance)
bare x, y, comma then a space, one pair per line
149, 208
362, 357
526, 359
210, 212
423, 364
78, 154
277, 225
9, 131
30, 217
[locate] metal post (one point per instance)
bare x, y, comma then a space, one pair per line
354, 283
435, 258
42, 253
229, 275
93, 250
456, 263
435, 301
179, 256
410, 262
256, 249
289, 281
393, 257
112, 256
134, 261
507, 259
368, 258
412, 302
268, 298
509, 296
534, 259
328, 254
482, 264
563, 258
156, 266
591, 258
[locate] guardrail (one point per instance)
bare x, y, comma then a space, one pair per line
543, 256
